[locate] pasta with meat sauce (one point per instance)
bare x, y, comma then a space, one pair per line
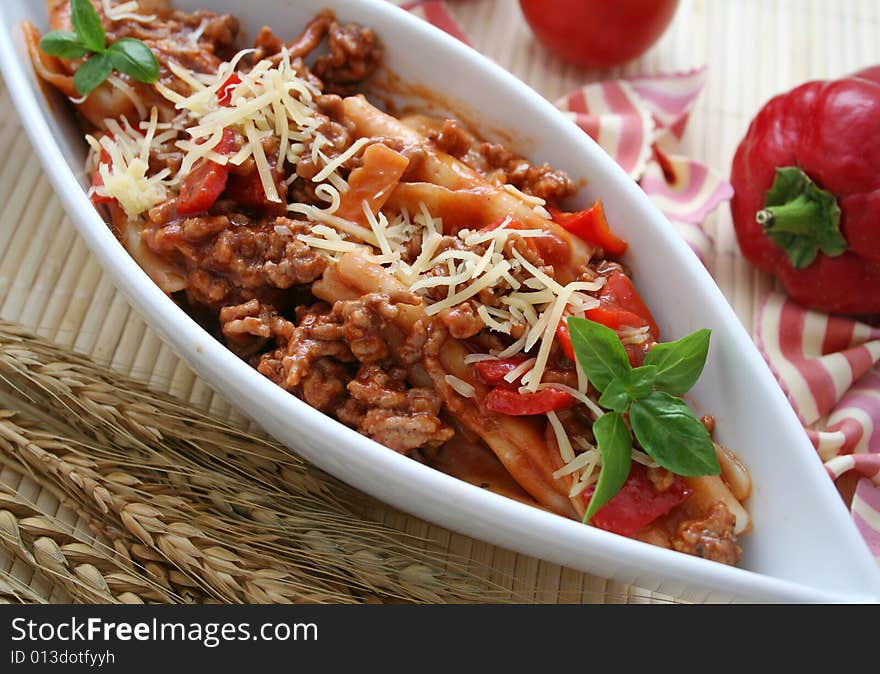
397, 273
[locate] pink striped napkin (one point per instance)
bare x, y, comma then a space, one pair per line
436, 13
639, 122
828, 366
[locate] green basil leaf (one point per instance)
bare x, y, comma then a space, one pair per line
639, 382
615, 444
679, 363
91, 73
87, 24
134, 58
615, 397
63, 44
668, 431
598, 350
634, 385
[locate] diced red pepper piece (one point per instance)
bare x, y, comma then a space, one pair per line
620, 292
614, 317
564, 339
591, 225
492, 372
620, 307
638, 503
247, 192
98, 181
509, 401
224, 93
206, 182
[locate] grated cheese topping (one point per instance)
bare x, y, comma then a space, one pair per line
125, 177
630, 335
270, 106
272, 110
460, 386
270, 98
125, 10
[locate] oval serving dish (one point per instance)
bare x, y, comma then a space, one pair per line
803, 547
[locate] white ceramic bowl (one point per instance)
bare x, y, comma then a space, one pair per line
804, 547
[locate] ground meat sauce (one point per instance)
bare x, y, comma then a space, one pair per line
710, 537
376, 361
498, 164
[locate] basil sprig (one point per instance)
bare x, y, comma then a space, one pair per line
615, 444
664, 426
128, 55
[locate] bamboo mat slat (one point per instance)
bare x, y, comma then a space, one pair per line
754, 48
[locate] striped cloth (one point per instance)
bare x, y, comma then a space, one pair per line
436, 13
827, 366
639, 122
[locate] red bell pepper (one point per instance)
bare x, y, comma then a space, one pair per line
591, 225
492, 372
98, 181
247, 192
620, 307
638, 503
510, 401
806, 206
207, 180
224, 93
564, 338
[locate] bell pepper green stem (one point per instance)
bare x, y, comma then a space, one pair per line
801, 215
801, 218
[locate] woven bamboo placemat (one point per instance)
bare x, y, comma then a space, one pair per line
50, 283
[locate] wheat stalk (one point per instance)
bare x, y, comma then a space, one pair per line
114, 409
87, 570
15, 591
233, 486
169, 526
362, 555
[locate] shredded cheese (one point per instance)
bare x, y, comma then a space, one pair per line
577, 464
269, 102
630, 335
125, 10
460, 386
272, 112
478, 358
577, 395
125, 177
331, 166
565, 448
519, 370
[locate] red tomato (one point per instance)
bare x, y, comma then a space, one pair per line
621, 307
598, 33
